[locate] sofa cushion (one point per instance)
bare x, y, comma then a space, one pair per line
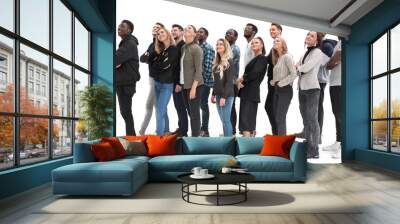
161, 145
83, 152
275, 145
257, 163
247, 145
134, 147
103, 152
116, 145
185, 163
112, 171
208, 145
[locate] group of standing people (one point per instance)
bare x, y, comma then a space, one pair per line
182, 64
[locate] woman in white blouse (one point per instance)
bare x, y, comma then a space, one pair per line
309, 91
284, 74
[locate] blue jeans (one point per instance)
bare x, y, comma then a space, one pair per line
163, 95
225, 115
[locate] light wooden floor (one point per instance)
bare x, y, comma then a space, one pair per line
377, 188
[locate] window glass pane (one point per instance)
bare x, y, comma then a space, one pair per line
81, 45
33, 139
7, 14
379, 55
6, 142
6, 74
35, 21
62, 89
34, 72
395, 95
62, 29
395, 47
81, 81
379, 135
81, 131
62, 138
395, 136
379, 97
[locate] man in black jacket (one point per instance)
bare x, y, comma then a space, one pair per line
127, 72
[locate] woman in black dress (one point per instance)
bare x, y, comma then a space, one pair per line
249, 85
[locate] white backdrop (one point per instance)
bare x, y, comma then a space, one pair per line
145, 14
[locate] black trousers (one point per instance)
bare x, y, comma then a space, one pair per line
233, 112
182, 112
269, 108
336, 100
125, 94
194, 109
247, 115
282, 98
321, 106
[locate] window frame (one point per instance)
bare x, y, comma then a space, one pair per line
16, 114
388, 74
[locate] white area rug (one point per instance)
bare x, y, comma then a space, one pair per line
166, 198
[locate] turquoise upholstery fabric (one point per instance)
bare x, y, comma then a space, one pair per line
126, 175
247, 145
83, 152
299, 159
208, 145
119, 177
257, 163
185, 163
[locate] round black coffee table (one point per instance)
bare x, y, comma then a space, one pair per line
238, 179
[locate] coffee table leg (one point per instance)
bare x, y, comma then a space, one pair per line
217, 194
245, 191
196, 188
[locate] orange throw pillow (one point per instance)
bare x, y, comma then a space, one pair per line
277, 145
103, 152
116, 145
161, 145
136, 138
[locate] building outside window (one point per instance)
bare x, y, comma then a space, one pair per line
34, 75
385, 94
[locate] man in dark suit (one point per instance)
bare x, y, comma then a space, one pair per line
127, 72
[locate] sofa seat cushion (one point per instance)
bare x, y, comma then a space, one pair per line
207, 146
185, 163
257, 163
112, 171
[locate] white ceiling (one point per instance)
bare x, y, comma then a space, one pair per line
306, 14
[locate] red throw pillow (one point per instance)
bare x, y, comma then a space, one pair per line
116, 145
161, 145
277, 145
103, 152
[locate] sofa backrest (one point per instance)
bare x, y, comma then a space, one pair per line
248, 145
207, 145
83, 152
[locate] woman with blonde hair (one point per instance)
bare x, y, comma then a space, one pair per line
162, 62
284, 73
223, 90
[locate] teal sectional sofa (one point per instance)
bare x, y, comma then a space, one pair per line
125, 176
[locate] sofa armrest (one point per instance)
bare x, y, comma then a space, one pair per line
299, 159
83, 152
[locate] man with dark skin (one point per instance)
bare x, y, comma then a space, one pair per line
231, 36
208, 59
250, 32
127, 72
